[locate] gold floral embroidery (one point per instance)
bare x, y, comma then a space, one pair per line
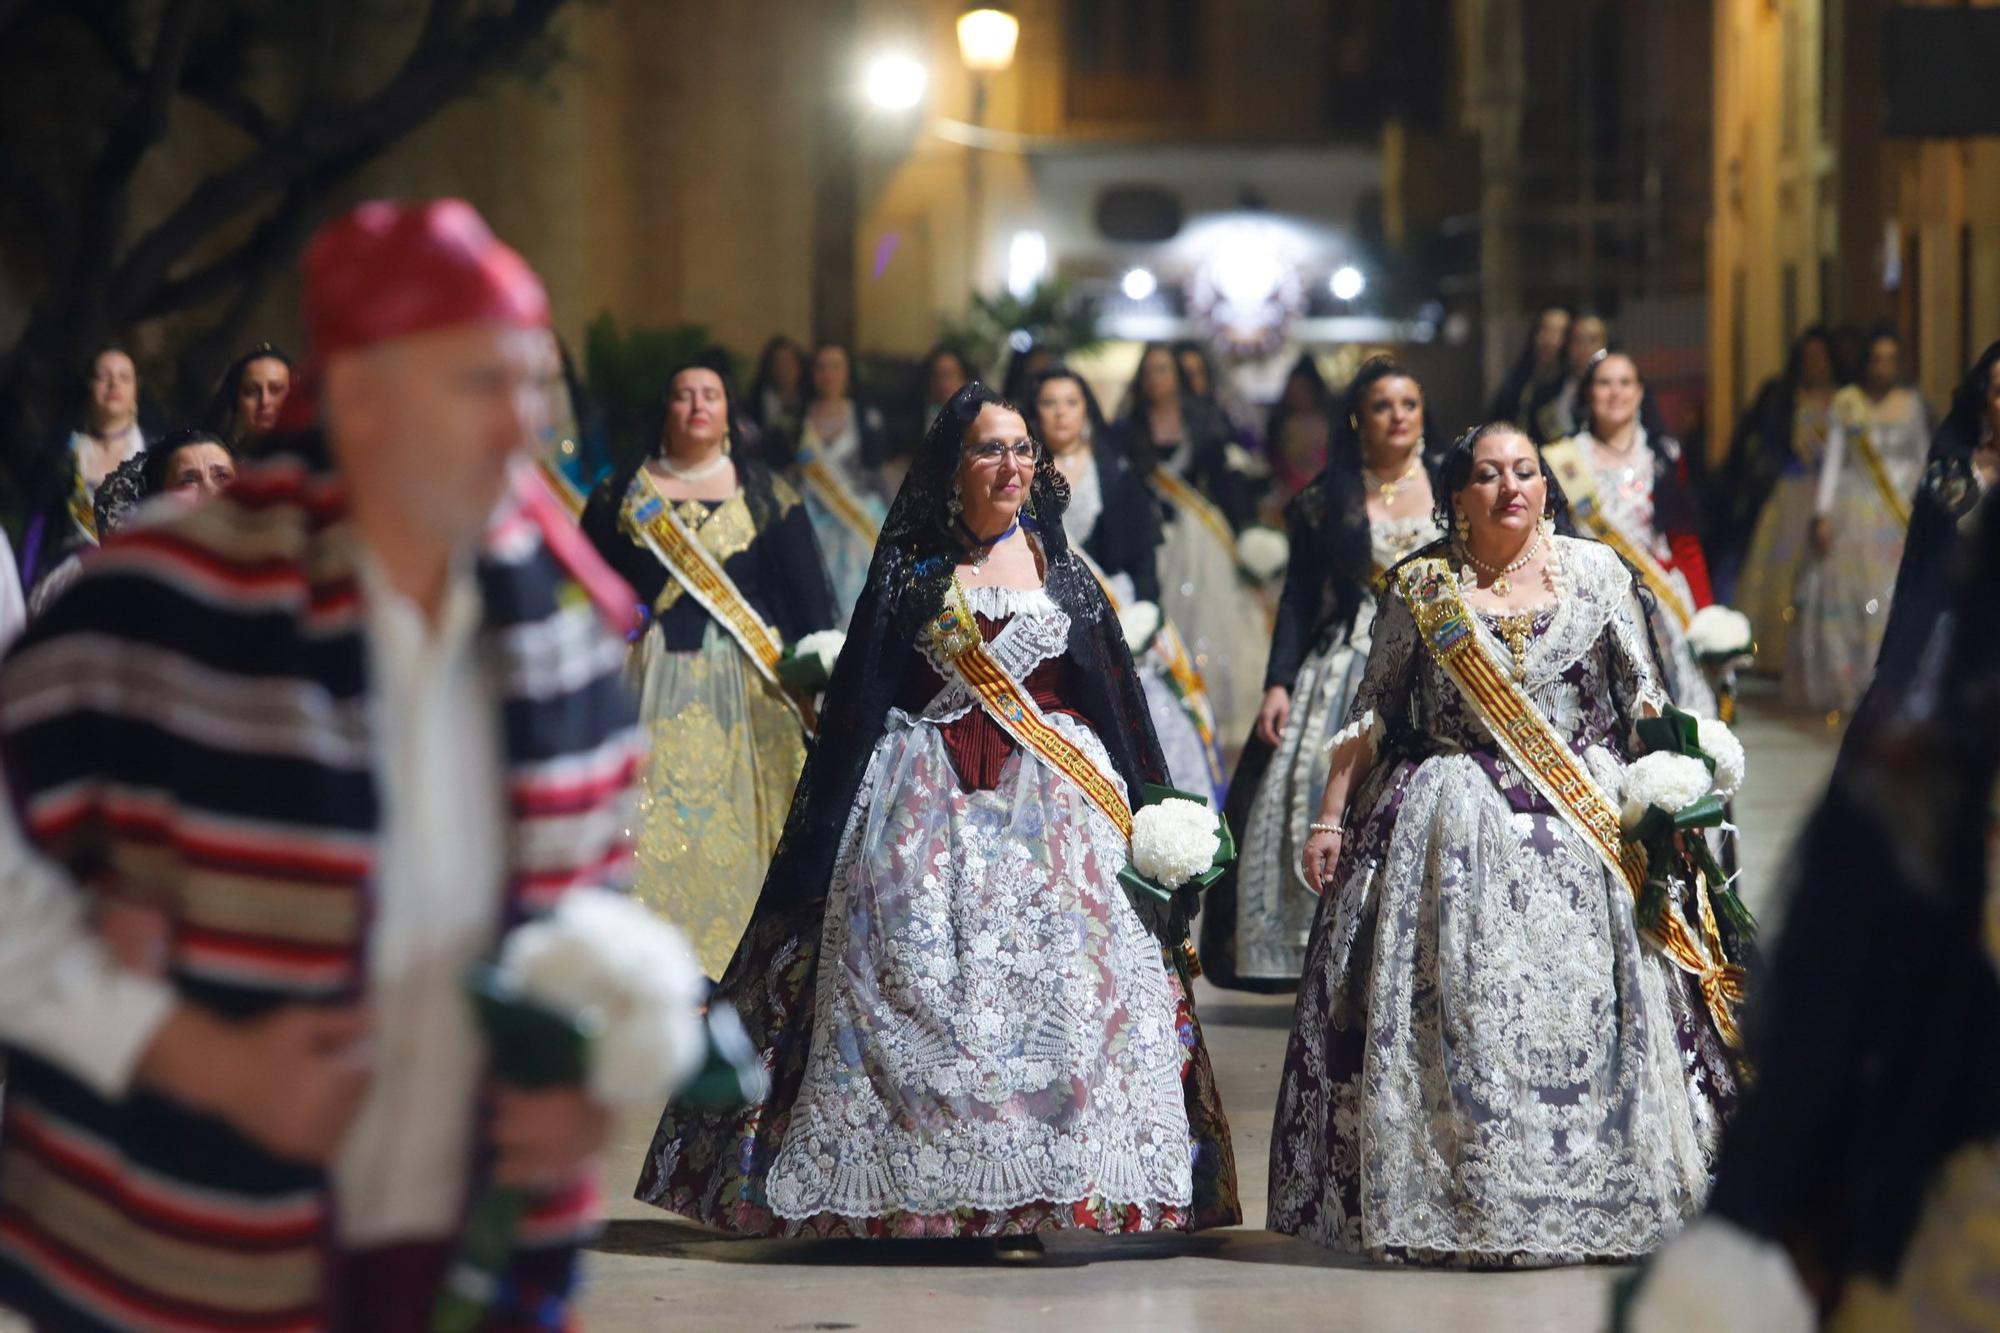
726, 530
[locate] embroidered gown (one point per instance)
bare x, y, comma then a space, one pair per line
1487, 1065
970, 1029
844, 544
1844, 596
724, 747
1627, 496
1202, 590
1116, 525
1255, 919
1766, 590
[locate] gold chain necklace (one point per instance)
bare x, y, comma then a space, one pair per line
1502, 585
1387, 489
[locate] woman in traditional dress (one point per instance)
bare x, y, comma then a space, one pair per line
1539, 368
835, 460
970, 1029
245, 408
1113, 523
1628, 487
1874, 459
722, 554
64, 521
1368, 508
1490, 1065
1184, 449
1958, 483
1301, 427
1558, 403
1777, 455
778, 390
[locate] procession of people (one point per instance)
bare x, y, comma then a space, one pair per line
959, 751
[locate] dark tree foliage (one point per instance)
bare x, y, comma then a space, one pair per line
278, 102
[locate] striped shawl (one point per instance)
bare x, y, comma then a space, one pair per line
189, 726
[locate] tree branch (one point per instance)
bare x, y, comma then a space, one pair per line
276, 236
234, 106
349, 135
103, 29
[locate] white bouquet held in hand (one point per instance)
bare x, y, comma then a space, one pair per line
627, 979
1174, 840
1718, 632
1139, 622
1669, 783
1719, 743
1263, 552
808, 664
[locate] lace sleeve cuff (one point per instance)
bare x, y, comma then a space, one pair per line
1367, 727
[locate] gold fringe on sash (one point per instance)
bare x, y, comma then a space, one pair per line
1431, 592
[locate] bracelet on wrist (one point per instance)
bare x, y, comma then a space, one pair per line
1327, 828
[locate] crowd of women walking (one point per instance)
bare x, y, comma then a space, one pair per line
903, 707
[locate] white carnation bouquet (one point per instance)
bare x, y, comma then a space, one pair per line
1178, 842
808, 664
1139, 622
1674, 792
1263, 553
1719, 634
601, 995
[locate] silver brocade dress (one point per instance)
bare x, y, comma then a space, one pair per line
1767, 588
1843, 596
1274, 908
1487, 1066
847, 553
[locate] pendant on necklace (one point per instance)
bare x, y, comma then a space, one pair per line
1503, 586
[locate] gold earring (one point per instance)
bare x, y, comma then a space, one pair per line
1461, 526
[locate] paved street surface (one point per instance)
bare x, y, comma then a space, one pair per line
652, 1271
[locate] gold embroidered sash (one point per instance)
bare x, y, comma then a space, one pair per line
560, 486
1183, 496
1189, 686
1864, 449
1566, 458
1446, 624
955, 634
82, 511
692, 565
832, 492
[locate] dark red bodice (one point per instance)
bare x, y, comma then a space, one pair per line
978, 745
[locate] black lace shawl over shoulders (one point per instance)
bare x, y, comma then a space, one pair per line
902, 594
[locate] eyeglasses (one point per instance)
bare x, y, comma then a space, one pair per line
1027, 453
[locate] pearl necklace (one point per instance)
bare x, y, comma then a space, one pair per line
1502, 585
694, 474
1387, 489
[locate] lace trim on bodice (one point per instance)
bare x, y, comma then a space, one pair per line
1037, 631
1086, 505
1592, 583
1391, 539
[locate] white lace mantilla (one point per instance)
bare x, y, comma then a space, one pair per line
993, 1026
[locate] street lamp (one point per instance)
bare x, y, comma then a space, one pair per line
986, 38
896, 82
1347, 283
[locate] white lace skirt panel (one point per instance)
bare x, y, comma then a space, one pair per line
994, 1026
1520, 1094
1274, 908
1226, 626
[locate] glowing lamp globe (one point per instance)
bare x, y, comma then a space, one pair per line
896, 82
986, 38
